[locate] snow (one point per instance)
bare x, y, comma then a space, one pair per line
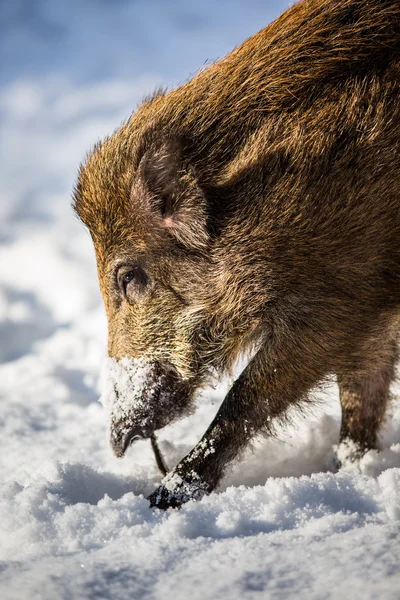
74, 520
126, 392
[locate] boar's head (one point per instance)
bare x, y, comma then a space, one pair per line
147, 214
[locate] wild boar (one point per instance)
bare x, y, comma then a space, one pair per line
256, 206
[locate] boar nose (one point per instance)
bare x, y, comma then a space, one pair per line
120, 441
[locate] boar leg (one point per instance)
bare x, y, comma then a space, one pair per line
275, 379
363, 397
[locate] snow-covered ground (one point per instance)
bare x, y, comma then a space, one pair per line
74, 522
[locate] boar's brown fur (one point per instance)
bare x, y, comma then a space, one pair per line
258, 205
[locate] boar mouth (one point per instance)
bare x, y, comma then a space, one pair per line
121, 442
140, 396
132, 436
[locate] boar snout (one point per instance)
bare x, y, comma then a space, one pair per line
140, 396
121, 438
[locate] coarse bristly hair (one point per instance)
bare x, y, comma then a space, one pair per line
261, 201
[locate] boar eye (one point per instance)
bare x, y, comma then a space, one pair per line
132, 282
127, 277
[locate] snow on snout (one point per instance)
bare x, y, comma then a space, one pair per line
129, 388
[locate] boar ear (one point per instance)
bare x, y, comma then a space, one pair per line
175, 193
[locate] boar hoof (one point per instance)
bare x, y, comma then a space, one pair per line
176, 490
349, 454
